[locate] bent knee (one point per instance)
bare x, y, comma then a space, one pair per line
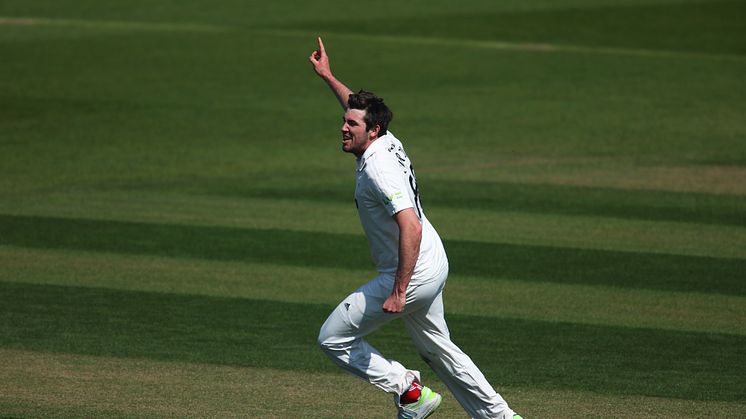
327, 341
323, 341
332, 344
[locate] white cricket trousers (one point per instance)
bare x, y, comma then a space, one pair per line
341, 338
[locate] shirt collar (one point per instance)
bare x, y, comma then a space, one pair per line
377, 144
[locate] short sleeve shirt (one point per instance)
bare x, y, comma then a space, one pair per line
386, 184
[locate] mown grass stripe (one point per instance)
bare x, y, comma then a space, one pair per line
98, 24
530, 47
490, 260
272, 334
599, 305
632, 204
686, 31
65, 385
619, 203
512, 227
54, 385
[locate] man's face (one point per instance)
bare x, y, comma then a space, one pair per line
355, 138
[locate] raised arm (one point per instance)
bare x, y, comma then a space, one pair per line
320, 62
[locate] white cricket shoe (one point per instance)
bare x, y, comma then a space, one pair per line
422, 408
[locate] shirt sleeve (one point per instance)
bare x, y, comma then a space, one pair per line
391, 189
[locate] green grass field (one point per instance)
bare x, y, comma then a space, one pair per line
176, 218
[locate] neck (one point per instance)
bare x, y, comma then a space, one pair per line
365, 147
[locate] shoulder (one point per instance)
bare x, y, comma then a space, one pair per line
383, 160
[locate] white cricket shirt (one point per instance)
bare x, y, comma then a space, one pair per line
386, 184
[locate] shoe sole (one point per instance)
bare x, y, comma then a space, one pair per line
437, 404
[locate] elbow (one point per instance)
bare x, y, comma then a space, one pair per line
410, 227
417, 230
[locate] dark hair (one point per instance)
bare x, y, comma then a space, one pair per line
376, 112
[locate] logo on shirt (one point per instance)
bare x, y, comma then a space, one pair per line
388, 199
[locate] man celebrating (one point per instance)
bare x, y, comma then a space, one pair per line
412, 270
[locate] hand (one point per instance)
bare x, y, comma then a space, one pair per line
395, 303
320, 61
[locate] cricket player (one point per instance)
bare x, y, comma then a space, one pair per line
412, 270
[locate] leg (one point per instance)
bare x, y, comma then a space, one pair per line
341, 338
430, 334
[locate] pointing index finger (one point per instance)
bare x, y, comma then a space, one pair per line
322, 51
